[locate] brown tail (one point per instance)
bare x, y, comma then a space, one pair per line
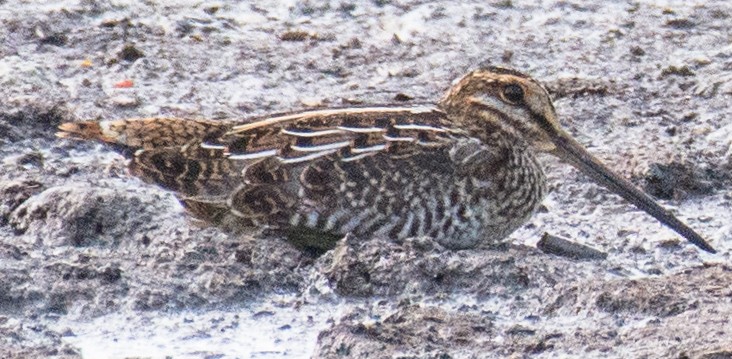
168, 152
147, 133
86, 130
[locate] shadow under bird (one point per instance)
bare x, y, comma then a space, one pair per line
462, 171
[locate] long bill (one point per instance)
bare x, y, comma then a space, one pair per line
572, 151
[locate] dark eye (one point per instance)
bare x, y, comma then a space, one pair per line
513, 93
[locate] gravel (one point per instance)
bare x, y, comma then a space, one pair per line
97, 264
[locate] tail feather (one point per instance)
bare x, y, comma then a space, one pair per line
86, 130
147, 133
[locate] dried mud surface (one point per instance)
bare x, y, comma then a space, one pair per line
96, 264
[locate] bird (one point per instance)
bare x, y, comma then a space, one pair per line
462, 170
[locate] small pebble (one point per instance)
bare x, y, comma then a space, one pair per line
402, 97
130, 53
124, 101
295, 35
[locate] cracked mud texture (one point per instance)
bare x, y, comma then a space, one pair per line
94, 263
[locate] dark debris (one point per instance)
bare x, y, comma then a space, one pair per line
561, 247
680, 180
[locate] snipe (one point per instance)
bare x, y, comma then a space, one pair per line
462, 171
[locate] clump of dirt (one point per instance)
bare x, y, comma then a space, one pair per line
680, 180
411, 329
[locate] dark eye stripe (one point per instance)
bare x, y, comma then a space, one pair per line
543, 123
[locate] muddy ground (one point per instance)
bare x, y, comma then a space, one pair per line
96, 264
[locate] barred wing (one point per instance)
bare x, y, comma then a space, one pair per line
349, 134
223, 168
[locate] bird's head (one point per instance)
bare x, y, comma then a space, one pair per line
494, 99
507, 99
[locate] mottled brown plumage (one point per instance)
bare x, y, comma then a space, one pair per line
462, 171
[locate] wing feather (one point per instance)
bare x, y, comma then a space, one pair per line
349, 134
224, 170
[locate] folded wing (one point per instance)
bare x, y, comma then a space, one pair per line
247, 174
